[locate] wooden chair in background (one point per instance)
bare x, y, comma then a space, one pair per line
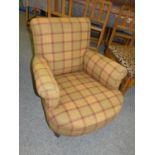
59, 9
54, 8
124, 27
123, 51
98, 11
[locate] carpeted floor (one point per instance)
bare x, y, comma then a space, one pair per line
36, 138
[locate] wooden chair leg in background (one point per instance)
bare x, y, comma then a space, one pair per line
109, 54
127, 83
27, 15
49, 6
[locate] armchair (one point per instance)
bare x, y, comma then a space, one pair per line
78, 86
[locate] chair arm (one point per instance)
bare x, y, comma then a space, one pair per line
103, 69
46, 84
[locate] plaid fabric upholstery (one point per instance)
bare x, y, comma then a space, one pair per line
74, 102
108, 72
61, 41
46, 85
125, 56
85, 105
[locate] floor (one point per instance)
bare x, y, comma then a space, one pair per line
36, 138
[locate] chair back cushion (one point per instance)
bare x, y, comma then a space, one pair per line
61, 41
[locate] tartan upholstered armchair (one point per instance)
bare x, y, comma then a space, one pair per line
78, 86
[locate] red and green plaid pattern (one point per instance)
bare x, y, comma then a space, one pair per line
108, 72
73, 81
61, 41
85, 105
46, 85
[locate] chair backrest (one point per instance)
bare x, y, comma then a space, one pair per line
59, 8
126, 18
98, 11
61, 41
125, 22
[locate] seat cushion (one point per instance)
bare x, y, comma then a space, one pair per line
125, 56
85, 105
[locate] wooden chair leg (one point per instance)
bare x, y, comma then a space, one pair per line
56, 134
27, 15
126, 84
109, 54
49, 6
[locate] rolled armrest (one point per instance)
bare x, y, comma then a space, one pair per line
103, 69
46, 84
